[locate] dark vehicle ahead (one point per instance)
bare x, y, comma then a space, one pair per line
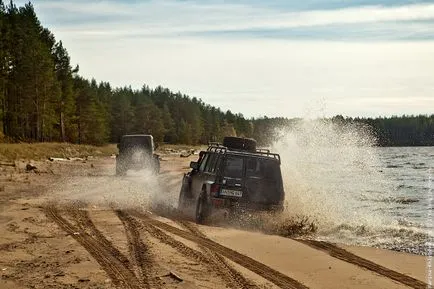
137, 152
235, 178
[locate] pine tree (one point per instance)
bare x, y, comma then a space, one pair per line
31, 82
122, 113
169, 124
184, 132
66, 106
148, 120
4, 59
93, 123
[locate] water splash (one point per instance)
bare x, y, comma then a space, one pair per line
324, 165
333, 175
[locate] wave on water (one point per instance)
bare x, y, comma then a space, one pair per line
401, 238
397, 200
393, 166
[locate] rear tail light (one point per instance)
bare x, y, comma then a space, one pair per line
218, 202
215, 188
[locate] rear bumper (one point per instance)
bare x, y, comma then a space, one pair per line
130, 161
234, 205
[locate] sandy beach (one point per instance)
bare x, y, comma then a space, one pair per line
73, 224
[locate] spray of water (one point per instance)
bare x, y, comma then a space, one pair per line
323, 164
328, 168
138, 189
333, 175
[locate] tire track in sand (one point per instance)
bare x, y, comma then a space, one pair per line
117, 271
263, 270
346, 256
177, 245
138, 250
213, 261
84, 221
232, 277
139, 256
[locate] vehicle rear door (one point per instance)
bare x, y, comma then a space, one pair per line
232, 173
263, 181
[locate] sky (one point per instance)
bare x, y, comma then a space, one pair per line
287, 58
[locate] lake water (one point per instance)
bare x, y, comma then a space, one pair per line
357, 193
395, 208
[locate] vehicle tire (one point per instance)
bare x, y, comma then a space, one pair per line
280, 209
120, 168
182, 201
276, 211
202, 209
239, 143
156, 165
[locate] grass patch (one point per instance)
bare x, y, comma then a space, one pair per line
40, 151
180, 147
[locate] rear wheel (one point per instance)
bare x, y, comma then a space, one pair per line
120, 168
156, 165
183, 199
202, 209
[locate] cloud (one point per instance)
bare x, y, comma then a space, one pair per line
175, 18
409, 30
272, 77
254, 59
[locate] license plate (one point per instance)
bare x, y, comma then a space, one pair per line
231, 193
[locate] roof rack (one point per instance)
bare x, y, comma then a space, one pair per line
267, 153
263, 150
217, 148
213, 143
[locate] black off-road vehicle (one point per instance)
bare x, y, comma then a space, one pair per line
137, 152
235, 176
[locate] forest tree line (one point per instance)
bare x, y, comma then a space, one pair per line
43, 98
405, 130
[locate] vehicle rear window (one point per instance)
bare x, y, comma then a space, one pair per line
234, 167
132, 141
203, 162
212, 163
262, 169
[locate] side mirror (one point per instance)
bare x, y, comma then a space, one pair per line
156, 145
194, 165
